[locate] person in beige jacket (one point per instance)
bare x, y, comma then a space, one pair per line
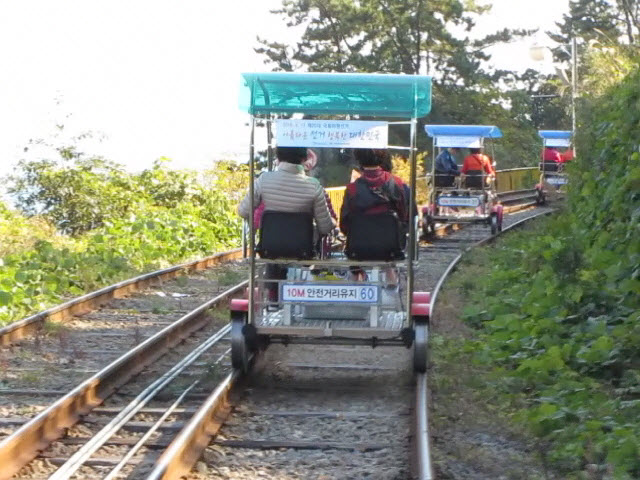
288, 189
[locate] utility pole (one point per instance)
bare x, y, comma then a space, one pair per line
574, 89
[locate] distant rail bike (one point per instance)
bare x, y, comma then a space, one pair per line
470, 197
319, 301
552, 171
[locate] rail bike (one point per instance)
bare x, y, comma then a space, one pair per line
470, 197
552, 173
319, 298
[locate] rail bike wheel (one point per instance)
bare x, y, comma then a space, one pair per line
239, 346
494, 223
540, 197
428, 227
421, 331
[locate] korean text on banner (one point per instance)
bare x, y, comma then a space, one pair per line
460, 141
332, 133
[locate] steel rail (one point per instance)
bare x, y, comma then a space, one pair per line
24, 444
99, 439
183, 452
20, 329
139, 444
186, 448
423, 454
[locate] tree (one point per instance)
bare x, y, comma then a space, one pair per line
407, 36
603, 21
392, 36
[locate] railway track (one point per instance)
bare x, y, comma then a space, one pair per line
146, 411
312, 412
299, 394
25, 436
63, 354
34, 324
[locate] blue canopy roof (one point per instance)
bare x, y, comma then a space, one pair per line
485, 131
385, 95
554, 133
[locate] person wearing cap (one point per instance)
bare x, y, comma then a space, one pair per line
308, 165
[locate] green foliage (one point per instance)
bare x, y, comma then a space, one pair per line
75, 192
559, 311
170, 216
392, 36
18, 233
613, 21
149, 240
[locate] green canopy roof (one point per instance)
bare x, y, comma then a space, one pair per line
384, 95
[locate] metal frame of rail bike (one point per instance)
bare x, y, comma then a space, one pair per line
552, 173
456, 202
321, 301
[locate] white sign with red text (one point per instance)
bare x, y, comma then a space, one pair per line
339, 293
332, 133
458, 201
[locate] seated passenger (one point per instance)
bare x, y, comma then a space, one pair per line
551, 155
567, 156
387, 165
308, 165
375, 191
288, 189
446, 169
476, 161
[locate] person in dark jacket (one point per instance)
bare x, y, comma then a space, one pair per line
446, 168
387, 165
375, 191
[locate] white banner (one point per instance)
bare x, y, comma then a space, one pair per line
460, 141
557, 142
459, 201
332, 133
336, 293
557, 180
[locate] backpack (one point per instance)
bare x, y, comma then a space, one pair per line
368, 197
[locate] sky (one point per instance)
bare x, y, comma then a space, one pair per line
154, 78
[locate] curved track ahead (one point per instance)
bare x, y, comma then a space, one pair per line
324, 412
309, 412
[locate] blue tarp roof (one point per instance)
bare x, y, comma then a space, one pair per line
554, 133
485, 131
384, 95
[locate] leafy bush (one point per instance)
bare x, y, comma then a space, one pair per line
124, 224
75, 193
18, 233
151, 239
560, 311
